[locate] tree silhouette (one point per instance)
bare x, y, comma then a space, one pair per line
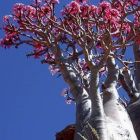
87, 46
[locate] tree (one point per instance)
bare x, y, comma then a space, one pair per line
87, 46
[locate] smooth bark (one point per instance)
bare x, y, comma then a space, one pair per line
97, 119
83, 103
134, 109
118, 123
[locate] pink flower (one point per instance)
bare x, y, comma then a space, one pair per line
126, 27
104, 5
137, 21
30, 11
115, 13
45, 9
132, 2
138, 42
18, 9
19, 6
9, 40
72, 8
6, 18
137, 39
135, 2
92, 8
85, 10
38, 46
82, 1
54, 1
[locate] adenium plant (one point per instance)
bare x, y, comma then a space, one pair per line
86, 44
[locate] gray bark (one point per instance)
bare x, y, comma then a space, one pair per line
108, 117
118, 122
129, 85
97, 119
83, 103
134, 109
136, 50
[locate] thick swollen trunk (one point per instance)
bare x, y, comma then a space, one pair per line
97, 119
134, 112
134, 109
109, 119
83, 113
118, 122
83, 103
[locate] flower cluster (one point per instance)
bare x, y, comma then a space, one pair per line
106, 26
9, 40
82, 36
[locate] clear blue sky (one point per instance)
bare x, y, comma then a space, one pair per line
31, 107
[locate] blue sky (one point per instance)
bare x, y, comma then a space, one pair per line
31, 107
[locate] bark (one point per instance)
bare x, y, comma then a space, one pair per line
134, 109
97, 119
83, 103
128, 83
118, 123
134, 112
136, 50
83, 113
108, 117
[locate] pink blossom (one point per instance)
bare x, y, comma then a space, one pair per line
112, 15
115, 13
137, 38
45, 9
30, 11
126, 27
19, 6
104, 5
18, 9
82, 1
118, 5
38, 46
9, 40
92, 9
138, 42
137, 21
6, 18
72, 8
135, 2
85, 10
132, 2
54, 1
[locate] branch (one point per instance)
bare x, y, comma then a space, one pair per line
111, 80
127, 81
136, 50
